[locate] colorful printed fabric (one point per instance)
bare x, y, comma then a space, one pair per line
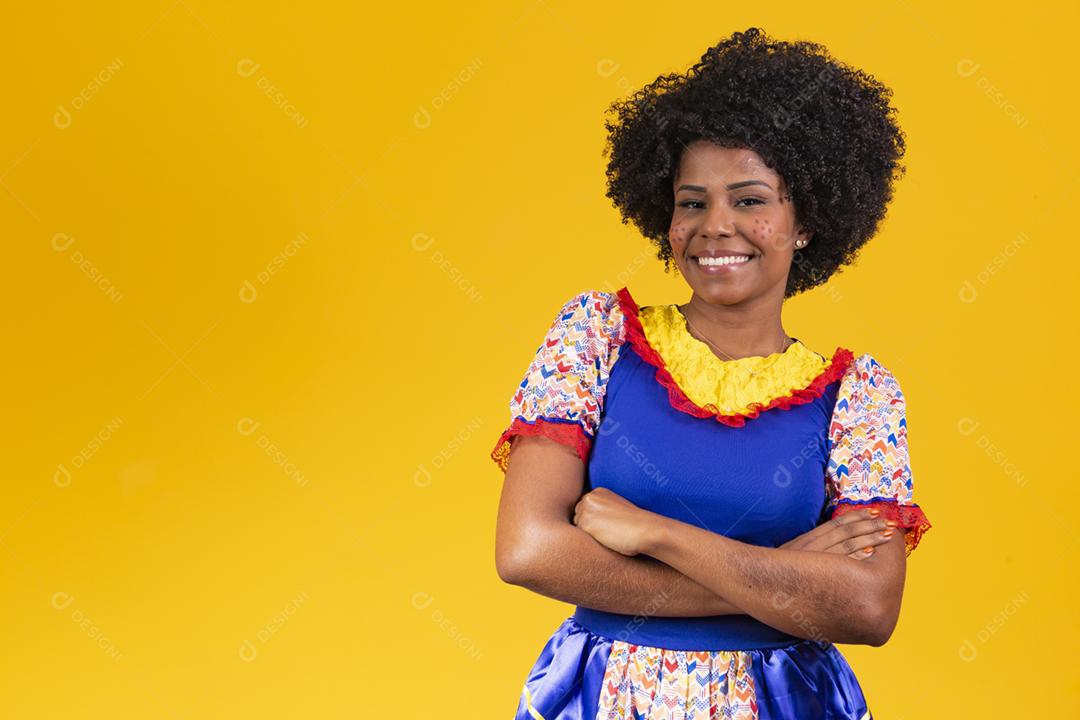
581, 675
562, 393
659, 684
868, 450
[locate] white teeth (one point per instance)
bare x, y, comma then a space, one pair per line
728, 260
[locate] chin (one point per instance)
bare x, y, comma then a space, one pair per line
719, 294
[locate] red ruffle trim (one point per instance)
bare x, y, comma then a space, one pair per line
567, 433
635, 334
909, 518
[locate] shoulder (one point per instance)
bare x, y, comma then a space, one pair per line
869, 396
590, 315
592, 303
866, 374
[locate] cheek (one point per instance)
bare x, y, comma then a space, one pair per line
764, 232
677, 234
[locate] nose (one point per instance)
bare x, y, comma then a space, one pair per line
718, 221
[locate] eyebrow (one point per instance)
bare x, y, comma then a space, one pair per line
732, 186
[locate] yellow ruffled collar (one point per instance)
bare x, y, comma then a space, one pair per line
732, 391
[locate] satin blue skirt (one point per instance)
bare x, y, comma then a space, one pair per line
582, 675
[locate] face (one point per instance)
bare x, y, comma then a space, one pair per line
728, 202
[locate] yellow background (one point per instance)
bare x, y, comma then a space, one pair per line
275, 274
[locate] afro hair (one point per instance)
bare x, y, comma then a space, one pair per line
824, 127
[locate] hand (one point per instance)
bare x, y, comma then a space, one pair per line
850, 534
614, 521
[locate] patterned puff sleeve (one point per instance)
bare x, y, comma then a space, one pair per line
562, 394
868, 451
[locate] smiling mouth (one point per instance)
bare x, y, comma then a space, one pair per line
723, 261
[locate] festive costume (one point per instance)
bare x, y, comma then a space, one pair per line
758, 449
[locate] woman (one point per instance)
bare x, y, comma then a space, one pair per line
719, 501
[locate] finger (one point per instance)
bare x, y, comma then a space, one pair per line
858, 545
839, 521
853, 529
838, 528
857, 529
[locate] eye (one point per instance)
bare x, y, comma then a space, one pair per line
697, 204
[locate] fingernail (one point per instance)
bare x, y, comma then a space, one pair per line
886, 533
890, 523
875, 512
868, 550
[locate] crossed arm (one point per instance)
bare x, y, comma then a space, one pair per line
816, 595
660, 566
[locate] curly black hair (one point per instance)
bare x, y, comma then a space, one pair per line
826, 128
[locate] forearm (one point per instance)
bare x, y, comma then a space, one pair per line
568, 564
813, 595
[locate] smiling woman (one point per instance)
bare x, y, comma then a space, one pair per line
721, 502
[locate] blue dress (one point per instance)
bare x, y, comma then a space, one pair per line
760, 450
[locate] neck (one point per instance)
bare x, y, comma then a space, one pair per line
738, 332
